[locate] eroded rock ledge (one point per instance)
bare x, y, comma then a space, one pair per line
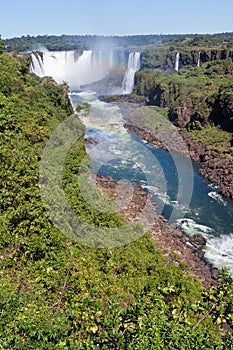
180, 250
212, 167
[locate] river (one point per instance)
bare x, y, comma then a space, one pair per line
207, 212
181, 194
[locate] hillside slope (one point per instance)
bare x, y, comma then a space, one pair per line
58, 294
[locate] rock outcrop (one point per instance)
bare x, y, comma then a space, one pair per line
195, 101
176, 246
212, 166
164, 59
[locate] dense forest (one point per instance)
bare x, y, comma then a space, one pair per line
58, 294
88, 42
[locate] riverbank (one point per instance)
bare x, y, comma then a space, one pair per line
183, 251
214, 169
214, 166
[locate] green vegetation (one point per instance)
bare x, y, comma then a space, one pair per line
80, 42
58, 294
85, 108
85, 42
199, 99
151, 118
217, 140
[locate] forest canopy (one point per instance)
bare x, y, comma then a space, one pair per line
88, 42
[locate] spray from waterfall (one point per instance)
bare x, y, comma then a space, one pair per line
177, 61
80, 68
75, 67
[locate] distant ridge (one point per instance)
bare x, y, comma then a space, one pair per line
88, 42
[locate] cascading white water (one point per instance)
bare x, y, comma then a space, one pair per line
82, 68
76, 68
199, 59
133, 67
177, 61
37, 65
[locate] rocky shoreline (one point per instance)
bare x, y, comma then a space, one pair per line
212, 166
175, 245
183, 251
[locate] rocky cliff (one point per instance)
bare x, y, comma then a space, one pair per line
199, 101
194, 97
165, 58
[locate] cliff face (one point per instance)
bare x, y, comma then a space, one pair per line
222, 110
212, 55
216, 109
198, 100
183, 104
165, 59
195, 57
192, 100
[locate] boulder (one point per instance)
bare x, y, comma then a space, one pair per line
198, 240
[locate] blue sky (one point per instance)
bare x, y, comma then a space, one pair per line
117, 17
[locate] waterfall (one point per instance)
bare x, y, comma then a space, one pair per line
199, 59
77, 68
177, 61
37, 65
132, 68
